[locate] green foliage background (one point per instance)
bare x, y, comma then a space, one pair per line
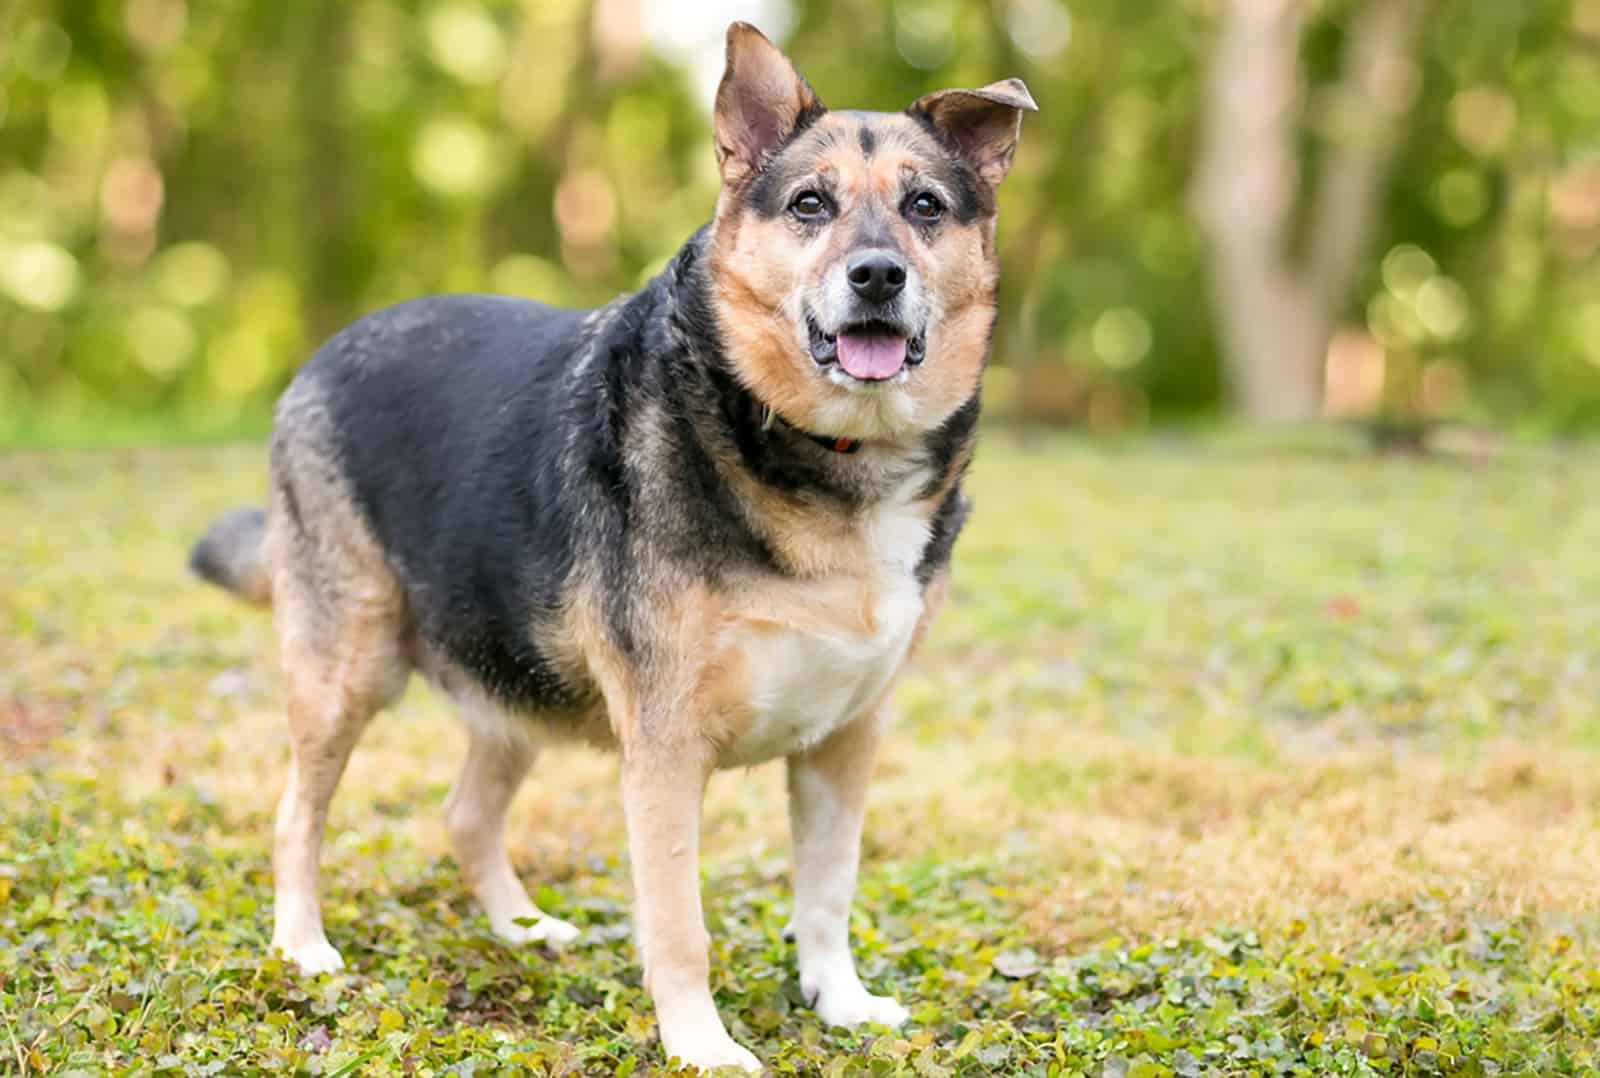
194, 192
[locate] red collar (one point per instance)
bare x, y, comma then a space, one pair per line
836, 445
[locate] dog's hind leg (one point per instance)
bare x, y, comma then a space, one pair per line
341, 667
475, 814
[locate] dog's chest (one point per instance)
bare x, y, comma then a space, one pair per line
818, 654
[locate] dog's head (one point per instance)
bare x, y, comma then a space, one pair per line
852, 254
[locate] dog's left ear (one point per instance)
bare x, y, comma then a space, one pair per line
983, 125
761, 101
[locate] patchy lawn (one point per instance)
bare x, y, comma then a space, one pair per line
1224, 760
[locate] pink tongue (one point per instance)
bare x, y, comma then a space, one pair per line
871, 358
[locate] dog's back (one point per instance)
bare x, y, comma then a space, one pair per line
430, 433
445, 422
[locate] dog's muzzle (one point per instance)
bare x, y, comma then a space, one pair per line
868, 351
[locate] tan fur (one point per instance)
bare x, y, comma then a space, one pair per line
827, 804
841, 604
762, 267
809, 540
339, 614
667, 716
615, 677
962, 272
256, 587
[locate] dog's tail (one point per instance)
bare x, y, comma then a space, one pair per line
232, 555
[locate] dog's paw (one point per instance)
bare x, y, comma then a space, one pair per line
315, 957
710, 1053
548, 930
856, 1007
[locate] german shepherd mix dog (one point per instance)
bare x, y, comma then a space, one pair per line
705, 524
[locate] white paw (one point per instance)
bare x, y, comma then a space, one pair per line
856, 1007
708, 1053
551, 930
312, 958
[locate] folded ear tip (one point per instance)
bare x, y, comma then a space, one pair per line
743, 31
1020, 90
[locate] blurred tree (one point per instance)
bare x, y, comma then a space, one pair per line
194, 192
1279, 295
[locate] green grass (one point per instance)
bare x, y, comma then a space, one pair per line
1226, 758
22, 429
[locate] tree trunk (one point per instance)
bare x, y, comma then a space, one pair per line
1278, 310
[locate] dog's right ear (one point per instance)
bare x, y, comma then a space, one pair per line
760, 104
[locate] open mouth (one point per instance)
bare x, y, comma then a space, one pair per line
872, 351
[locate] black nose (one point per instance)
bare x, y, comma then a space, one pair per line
876, 275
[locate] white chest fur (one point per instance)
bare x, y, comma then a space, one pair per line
806, 677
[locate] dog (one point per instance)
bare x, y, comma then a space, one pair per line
705, 525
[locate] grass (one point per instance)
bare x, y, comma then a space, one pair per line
98, 428
1225, 759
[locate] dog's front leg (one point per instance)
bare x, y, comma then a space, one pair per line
662, 788
827, 799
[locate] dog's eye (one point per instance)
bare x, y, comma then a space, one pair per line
808, 206
926, 207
